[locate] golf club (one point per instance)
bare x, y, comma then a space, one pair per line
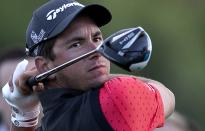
128, 48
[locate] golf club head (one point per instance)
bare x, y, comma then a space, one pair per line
128, 48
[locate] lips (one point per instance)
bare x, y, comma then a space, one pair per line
96, 67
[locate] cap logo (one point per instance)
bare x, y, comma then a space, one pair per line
51, 15
37, 38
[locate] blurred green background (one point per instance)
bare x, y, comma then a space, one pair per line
176, 27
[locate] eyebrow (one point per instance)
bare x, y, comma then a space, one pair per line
80, 38
77, 38
97, 33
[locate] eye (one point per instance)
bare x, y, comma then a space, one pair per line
75, 45
98, 39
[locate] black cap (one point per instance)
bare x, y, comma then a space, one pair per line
54, 16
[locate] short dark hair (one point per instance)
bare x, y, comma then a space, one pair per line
46, 49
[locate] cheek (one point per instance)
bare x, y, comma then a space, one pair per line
61, 58
66, 56
75, 70
107, 63
72, 72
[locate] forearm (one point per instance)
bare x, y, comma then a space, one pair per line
25, 107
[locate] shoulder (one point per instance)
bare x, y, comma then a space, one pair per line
131, 99
127, 82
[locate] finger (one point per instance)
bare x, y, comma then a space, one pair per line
39, 87
11, 87
21, 82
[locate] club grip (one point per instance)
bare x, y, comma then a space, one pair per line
31, 82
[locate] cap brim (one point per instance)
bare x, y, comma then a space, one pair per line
99, 14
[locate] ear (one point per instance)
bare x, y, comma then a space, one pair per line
44, 65
41, 64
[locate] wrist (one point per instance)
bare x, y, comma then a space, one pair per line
25, 109
25, 119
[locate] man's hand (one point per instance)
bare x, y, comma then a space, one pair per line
24, 103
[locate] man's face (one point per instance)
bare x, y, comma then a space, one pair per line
79, 38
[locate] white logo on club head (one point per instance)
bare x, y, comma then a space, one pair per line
37, 38
51, 15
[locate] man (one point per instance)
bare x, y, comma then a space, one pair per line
83, 96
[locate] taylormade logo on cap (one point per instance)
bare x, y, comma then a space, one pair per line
51, 15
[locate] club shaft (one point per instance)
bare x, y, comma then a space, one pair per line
44, 75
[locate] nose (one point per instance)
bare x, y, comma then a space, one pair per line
93, 46
95, 56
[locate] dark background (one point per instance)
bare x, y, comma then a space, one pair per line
176, 27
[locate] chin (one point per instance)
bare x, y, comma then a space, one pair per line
97, 82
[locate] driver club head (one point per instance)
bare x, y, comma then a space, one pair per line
128, 48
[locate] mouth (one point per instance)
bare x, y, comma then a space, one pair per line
96, 67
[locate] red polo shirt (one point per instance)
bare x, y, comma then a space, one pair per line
129, 104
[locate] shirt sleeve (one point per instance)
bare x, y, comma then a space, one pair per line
130, 104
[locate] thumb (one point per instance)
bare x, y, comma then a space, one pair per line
22, 81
